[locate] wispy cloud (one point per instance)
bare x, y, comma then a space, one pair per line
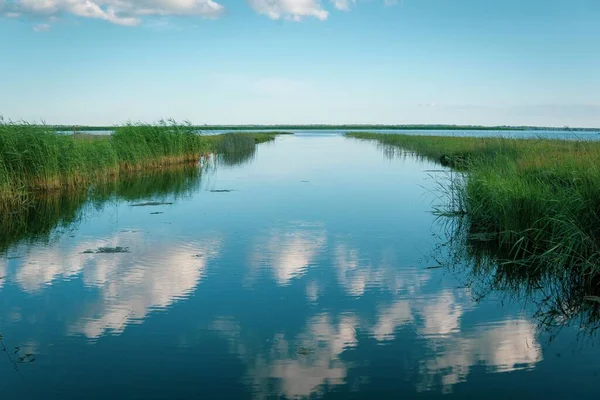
41, 27
295, 10
343, 5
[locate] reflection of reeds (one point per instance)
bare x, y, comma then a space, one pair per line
236, 148
35, 158
539, 198
560, 297
44, 213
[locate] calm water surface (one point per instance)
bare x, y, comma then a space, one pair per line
523, 134
313, 268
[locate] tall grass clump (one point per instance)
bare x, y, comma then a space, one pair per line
36, 158
239, 147
142, 146
539, 198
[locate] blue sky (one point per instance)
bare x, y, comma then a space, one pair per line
517, 62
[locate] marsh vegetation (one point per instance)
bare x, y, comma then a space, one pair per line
538, 200
34, 158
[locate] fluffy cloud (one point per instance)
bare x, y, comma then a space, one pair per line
121, 12
294, 10
133, 12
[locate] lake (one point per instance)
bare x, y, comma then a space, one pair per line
313, 267
521, 134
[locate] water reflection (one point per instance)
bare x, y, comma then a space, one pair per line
508, 346
238, 157
2, 272
314, 361
357, 273
289, 252
562, 298
390, 318
153, 276
301, 365
442, 314
317, 298
39, 221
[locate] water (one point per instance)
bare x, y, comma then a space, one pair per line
313, 268
521, 134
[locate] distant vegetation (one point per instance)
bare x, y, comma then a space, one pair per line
70, 128
35, 158
537, 199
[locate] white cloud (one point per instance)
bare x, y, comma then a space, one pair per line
121, 12
294, 10
133, 12
41, 27
343, 5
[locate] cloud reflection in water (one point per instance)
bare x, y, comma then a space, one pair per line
289, 253
153, 275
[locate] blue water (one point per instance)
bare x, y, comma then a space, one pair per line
521, 134
318, 275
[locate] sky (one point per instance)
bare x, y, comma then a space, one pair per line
481, 62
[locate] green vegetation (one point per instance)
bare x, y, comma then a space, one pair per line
46, 213
561, 297
262, 137
35, 158
70, 128
538, 200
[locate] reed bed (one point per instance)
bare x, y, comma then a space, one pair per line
35, 158
538, 198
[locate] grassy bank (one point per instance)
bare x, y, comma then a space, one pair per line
538, 199
35, 158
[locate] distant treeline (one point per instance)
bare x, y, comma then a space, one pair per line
76, 128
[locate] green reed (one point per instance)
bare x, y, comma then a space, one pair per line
35, 158
539, 198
